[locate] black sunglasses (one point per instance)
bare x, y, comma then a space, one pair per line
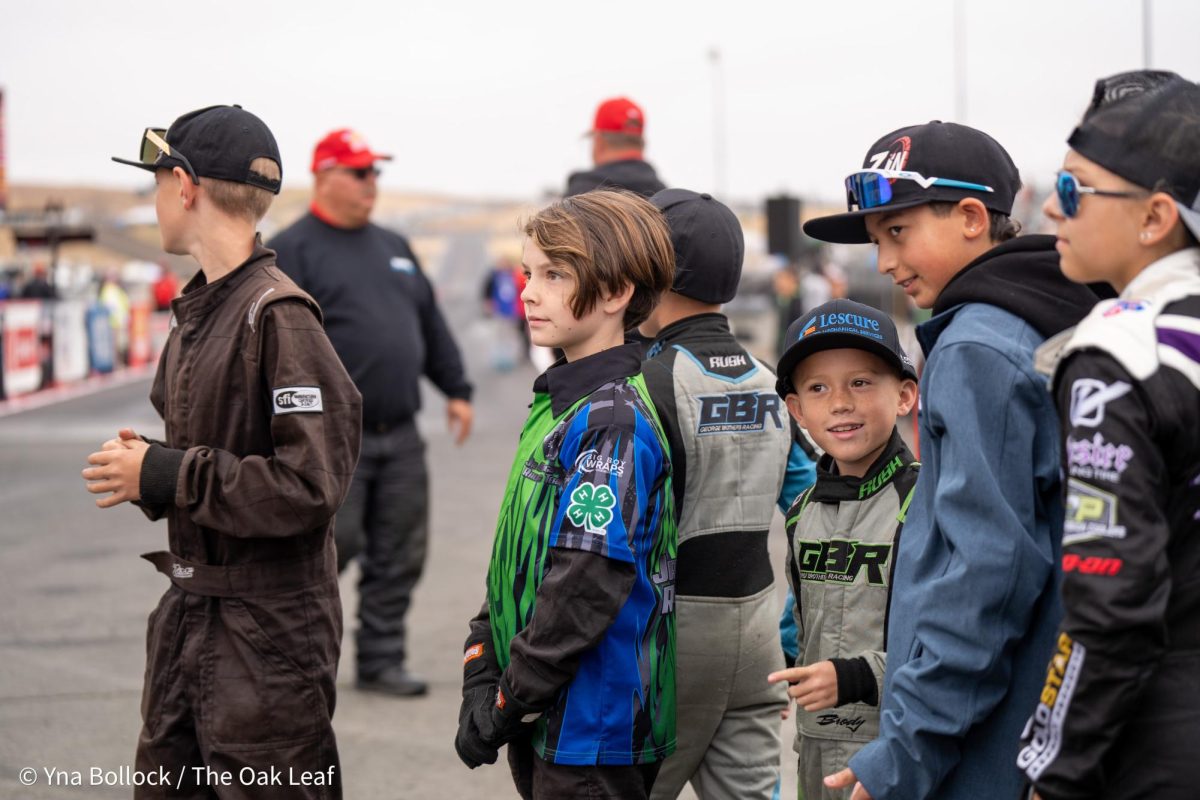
362, 173
154, 146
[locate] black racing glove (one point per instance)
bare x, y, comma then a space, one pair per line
470, 742
510, 717
481, 674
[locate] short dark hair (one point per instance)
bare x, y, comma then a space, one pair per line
622, 141
608, 239
1001, 227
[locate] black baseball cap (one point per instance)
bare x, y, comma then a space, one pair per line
215, 142
708, 242
966, 163
1145, 126
837, 324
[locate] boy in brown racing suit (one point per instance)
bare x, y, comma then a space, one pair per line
262, 434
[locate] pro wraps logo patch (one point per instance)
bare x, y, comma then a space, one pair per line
738, 412
297, 400
592, 507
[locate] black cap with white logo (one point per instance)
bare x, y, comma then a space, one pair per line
708, 241
838, 324
956, 154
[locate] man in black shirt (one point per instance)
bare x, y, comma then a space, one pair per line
617, 147
381, 315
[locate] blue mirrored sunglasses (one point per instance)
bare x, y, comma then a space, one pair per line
1068, 188
872, 188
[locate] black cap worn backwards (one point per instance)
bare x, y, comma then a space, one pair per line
1145, 127
709, 247
838, 324
933, 150
219, 142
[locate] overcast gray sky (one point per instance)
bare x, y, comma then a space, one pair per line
488, 98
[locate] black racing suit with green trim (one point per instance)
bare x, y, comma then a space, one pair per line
1119, 714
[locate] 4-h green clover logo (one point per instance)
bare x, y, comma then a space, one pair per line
591, 507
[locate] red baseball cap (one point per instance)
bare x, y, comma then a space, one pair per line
619, 115
344, 148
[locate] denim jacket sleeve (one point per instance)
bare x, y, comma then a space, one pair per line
979, 565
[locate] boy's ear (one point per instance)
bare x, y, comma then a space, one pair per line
792, 401
1159, 218
975, 220
908, 396
187, 189
616, 303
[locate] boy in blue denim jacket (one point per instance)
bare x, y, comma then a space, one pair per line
975, 596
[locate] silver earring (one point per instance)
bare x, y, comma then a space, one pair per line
1144, 236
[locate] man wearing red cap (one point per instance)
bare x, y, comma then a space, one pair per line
384, 323
617, 147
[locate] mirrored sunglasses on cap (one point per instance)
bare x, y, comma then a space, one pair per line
154, 147
1069, 189
872, 188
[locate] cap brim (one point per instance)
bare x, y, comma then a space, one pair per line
850, 227
138, 164
1190, 217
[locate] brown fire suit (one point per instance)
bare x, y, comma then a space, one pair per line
262, 436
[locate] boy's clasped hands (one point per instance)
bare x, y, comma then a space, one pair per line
117, 469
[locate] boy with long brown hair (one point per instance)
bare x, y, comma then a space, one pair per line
571, 660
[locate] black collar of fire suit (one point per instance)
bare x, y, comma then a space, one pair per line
834, 488
569, 381
198, 296
710, 323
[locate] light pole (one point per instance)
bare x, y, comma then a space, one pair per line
960, 63
1147, 50
718, 109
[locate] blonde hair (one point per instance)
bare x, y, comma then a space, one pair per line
242, 199
608, 240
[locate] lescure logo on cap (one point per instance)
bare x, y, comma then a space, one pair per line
842, 323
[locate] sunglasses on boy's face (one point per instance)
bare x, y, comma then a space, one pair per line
362, 173
1068, 188
154, 147
872, 188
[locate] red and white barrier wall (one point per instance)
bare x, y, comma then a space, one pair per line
47, 346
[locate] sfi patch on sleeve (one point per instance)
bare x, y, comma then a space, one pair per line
297, 400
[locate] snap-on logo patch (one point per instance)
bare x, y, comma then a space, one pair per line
297, 400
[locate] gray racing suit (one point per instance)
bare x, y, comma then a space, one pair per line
735, 454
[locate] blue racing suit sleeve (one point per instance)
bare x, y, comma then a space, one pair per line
801, 470
970, 571
800, 473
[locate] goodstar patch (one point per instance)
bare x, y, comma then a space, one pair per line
297, 400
